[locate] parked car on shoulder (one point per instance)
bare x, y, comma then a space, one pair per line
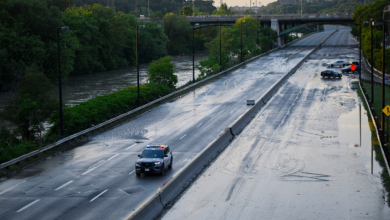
338, 63
331, 73
348, 69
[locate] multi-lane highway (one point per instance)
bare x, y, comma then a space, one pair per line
97, 181
292, 161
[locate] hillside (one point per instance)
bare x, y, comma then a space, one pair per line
314, 7
128, 6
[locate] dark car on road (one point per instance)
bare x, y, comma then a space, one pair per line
348, 69
154, 159
331, 73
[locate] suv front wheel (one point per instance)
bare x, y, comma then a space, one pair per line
162, 169
170, 164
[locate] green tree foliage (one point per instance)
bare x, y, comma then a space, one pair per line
105, 38
165, 6
186, 10
365, 13
156, 16
151, 42
178, 31
32, 106
313, 7
231, 45
102, 108
224, 10
28, 37
161, 72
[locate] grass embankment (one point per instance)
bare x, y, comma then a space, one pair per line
377, 109
85, 115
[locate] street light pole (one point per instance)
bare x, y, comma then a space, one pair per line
136, 58
59, 77
136, 51
220, 46
360, 51
372, 68
241, 39
257, 36
193, 53
384, 75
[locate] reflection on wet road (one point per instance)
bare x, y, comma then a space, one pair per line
297, 159
97, 180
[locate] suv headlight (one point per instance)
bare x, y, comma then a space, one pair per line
157, 163
137, 163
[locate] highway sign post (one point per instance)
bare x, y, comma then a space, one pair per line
386, 110
353, 67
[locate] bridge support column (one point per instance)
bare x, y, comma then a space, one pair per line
318, 27
276, 27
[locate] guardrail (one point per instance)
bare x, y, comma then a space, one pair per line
181, 181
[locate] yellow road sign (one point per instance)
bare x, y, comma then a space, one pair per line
386, 110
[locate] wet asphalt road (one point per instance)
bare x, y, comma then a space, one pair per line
97, 180
291, 161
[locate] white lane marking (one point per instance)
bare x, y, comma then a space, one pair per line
212, 116
99, 195
130, 146
28, 205
199, 125
99, 164
183, 136
88, 171
62, 186
224, 107
112, 157
131, 172
12, 187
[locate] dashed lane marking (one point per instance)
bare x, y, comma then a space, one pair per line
112, 157
131, 172
130, 146
28, 205
12, 187
62, 186
199, 125
98, 195
183, 136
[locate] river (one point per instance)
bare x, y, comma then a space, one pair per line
84, 87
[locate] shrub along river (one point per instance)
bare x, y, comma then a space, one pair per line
84, 87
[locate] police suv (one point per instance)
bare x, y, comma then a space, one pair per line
154, 159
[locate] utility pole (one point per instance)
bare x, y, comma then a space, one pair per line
301, 7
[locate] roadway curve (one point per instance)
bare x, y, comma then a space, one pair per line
291, 161
97, 181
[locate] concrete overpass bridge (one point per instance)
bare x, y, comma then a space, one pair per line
282, 24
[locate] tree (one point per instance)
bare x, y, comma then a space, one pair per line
151, 42
178, 31
32, 107
186, 10
156, 16
161, 72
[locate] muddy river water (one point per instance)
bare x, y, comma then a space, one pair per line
84, 87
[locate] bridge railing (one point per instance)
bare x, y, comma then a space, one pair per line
273, 16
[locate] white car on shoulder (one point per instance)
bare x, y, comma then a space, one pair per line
338, 63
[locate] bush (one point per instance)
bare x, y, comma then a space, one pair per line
161, 72
102, 108
11, 148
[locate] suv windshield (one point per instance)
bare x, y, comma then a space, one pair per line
152, 154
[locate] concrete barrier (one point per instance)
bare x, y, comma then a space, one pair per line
180, 181
238, 125
149, 209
